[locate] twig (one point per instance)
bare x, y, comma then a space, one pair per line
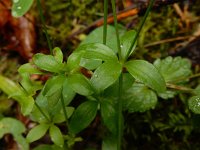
168, 40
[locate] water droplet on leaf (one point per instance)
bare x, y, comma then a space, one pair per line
14, 13
19, 7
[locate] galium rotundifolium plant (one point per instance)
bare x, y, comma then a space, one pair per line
116, 84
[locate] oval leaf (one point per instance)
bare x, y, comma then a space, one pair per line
37, 132
12, 126
14, 91
90, 64
67, 92
53, 89
48, 63
21, 142
96, 36
59, 117
83, 116
194, 104
126, 42
58, 55
73, 61
80, 84
20, 7
28, 68
173, 69
47, 147
109, 116
139, 98
97, 51
56, 135
16, 128
105, 75
146, 73
109, 143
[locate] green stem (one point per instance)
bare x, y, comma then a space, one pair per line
180, 88
64, 110
39, 108
140, 27
41, 111
105, 21
116, 28
119, 107
119, 111
44, 26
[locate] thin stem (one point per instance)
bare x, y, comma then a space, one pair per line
105, 21
39, 108
140, 27
180, 88
64, 110
119, 110
41, 111
120, 116
116, 27
44, 26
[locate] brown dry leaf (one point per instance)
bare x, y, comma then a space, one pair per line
18, 33
4, 13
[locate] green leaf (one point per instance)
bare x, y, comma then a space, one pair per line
28, 68
139, 98
53, 90
12, 126
48, 63
73, 61
22, 142
16, 128
109, 116
146, 73
37, 132
20, 7
173, 69
97, 51
59, 117
112, 91
58, 55
37, 116
109, 143
14, 91
96, 36
48, 147
30, 86
168, 94
56, 135
90, 64
197, 90
105, 75
80, 84
194, 104
126, 42
83, 116
67, 92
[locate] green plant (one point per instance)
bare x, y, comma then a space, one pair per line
117, 84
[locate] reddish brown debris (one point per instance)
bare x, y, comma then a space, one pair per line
18, 33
